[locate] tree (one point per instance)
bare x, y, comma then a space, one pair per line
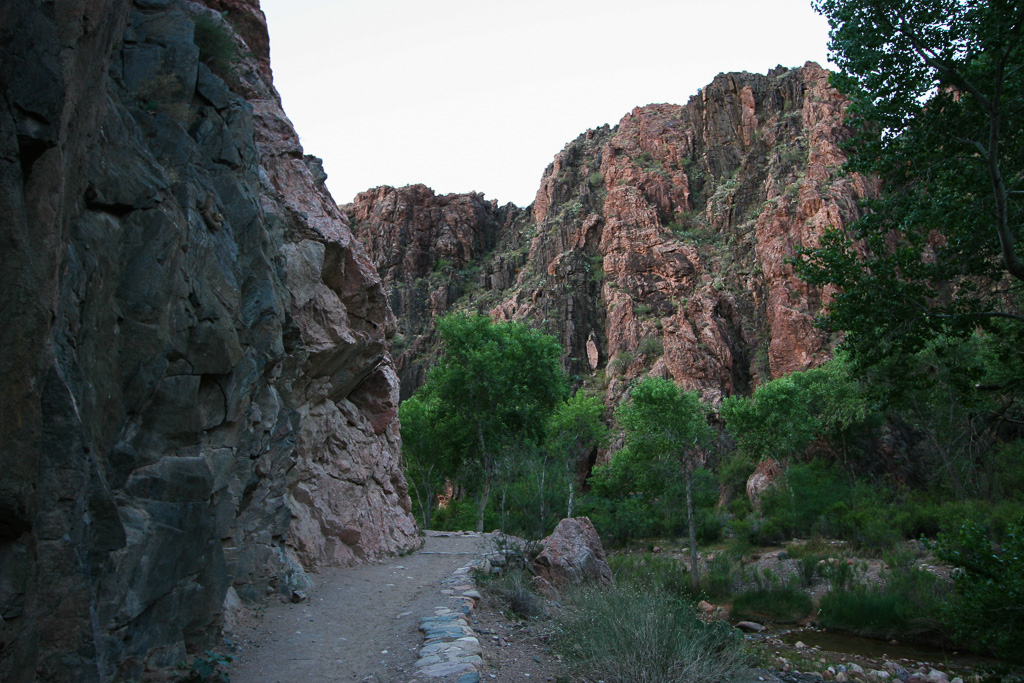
432, 447
662, 422
786, 415
574, 430
988, 605
497, 382
937, 90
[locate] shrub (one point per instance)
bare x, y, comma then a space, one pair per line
652, 572
630, 634
987, 607
216, 46
513, 590
719, 576
651, 347
784, 604
621, 362
907, 605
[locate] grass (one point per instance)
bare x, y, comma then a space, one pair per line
717, 581
781, 604
649, 571
513, 590
631, 634
907, 605
216, 46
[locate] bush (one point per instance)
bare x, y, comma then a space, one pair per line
513, 590
987, 607
717, 581
781, 604
652, 347
630, 634
652, 572
216, 46
908, 606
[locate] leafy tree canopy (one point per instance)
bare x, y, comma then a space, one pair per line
575, 427
496, 383
937, 90
662, 422
785, 415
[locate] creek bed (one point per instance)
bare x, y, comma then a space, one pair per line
879, 650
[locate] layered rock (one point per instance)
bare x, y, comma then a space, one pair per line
431, 252
661, 246
572, 555
197, 390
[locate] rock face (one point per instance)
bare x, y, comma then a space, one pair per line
660, 246
765, 477
197, 391
573, 554
431, 252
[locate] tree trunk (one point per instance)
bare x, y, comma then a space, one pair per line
481, 501
571, 501
543, 502
692, 528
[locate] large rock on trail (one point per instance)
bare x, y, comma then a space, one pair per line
573, 554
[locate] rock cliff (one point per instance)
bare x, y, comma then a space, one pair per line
655, 247
198, 400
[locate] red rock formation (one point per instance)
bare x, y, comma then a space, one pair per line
661, 246
430, 252
657, 247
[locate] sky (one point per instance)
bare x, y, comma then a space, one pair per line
479, 95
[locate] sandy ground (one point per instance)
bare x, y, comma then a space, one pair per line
359, 624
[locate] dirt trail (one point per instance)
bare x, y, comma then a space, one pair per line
359, 624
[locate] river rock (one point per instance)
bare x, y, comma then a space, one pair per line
749, 626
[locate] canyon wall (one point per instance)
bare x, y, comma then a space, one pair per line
655, 247
198, 400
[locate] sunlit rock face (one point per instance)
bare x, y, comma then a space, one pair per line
657, 247
197, 389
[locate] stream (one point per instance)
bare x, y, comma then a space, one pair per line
881, 650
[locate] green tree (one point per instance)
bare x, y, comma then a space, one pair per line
661, 422
497, 382
937, 90
988, 606
574, 430
786, 415
433, 445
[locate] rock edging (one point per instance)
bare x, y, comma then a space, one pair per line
451, 649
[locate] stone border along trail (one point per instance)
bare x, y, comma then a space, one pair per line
406, 621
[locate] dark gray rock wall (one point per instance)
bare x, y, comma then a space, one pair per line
197, 393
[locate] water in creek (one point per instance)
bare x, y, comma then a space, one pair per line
881, 650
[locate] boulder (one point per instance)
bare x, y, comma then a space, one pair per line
749, 626
762, 479
573, 554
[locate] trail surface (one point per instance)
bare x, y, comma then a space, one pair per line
359, 624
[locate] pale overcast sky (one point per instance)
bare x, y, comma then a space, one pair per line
480, 95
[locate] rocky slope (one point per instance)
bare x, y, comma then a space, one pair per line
198, 400
656, 247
